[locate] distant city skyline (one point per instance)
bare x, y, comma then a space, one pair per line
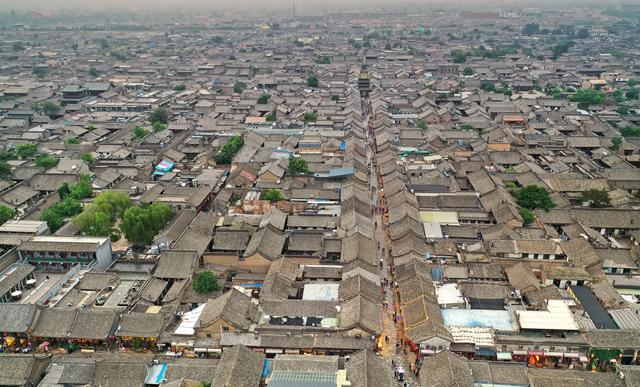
48, 5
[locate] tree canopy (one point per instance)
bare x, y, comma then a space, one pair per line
264, 98
239, 87
229, 150
273, 195
312, 81
6, 213
586, 97
46, 161
159, 115
527, 216
630, 131
5, 170
205, 282
298, 165
55, 215
616, 142
310, 116
534, 196
140, 224
88, 158
596, 198
113, 203
93, 222
27, 150
139, 132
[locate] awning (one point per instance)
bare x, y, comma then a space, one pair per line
536, 353
273, 350
427, 352
214, 350
200, 350
520, 352
554, 354
485, 352
584, 359
572, 355
503, 355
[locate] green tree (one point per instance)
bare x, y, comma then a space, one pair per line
140, 224
271, 117
25, 151
54, 219
312, 81
229, 150
159, 115
618, 96
310, 116
586, 97
468, 71
534, 196
93, 72
298, 166
180, 87
630, 131
88, 158
205, 282
158, 126
46, 161
264, 98
48, 108
458, 56
531, 29
93, 222
273, 195
239, 87
64, 190
488, 86
82, 189
632, 94
5, 170
6, 213
421, 124
616, 142
72, 141
561, 48
623, 110
113, 203
55, 215
527, 216
139, 132
596, 198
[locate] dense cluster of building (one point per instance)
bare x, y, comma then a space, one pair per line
450, 199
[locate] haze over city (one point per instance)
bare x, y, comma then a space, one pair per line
319, 193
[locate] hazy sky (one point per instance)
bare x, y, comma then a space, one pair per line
51, 5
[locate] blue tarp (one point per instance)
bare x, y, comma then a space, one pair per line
164, 166
498, 319
266, 368
156, 374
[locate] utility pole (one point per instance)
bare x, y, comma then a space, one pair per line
294, 10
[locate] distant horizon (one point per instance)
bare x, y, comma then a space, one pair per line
50, 6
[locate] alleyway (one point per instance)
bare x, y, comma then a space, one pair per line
389, 350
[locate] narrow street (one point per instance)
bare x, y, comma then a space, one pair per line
391, 351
